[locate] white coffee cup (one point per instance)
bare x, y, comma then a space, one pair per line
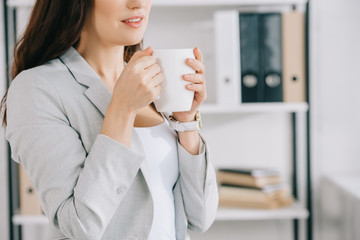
174, 97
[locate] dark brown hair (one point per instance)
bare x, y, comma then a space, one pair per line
54, 26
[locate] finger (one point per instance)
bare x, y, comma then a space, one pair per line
198, 54
157, 90
200, 88
152, 70
146, 62
158, 79
139, 54
195, 78
195, 64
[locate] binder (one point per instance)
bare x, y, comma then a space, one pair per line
251, 86
293, 38
227, 52
248, 48
271, 49
29, 203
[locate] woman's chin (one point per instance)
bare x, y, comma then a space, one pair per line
131, 40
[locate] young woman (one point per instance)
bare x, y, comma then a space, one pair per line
104, 162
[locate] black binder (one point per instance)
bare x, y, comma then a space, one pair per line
261, 57
251, 87
271, 57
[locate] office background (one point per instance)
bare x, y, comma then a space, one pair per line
334, 101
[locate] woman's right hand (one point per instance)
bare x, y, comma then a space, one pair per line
139, 83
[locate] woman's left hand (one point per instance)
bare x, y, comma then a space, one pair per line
197, 84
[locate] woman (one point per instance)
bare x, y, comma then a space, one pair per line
82, 124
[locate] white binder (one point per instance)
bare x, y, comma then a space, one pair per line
227, 54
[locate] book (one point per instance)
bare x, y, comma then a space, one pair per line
270, 204
257, 177
255, 172
253, 194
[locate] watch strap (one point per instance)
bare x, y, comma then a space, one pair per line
185, 126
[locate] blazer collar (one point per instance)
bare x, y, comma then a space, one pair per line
97, 93
84, 74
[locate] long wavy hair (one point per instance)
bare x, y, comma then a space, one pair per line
54, 26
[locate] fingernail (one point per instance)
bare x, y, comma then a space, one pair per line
187, 76
190, 60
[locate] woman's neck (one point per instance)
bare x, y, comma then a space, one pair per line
107, 61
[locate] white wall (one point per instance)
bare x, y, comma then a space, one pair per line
335, 98
4, 227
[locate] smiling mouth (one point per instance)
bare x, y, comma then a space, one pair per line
135, 20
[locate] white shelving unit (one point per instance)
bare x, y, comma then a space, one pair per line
20, 3
254, 108
224, 2
29, 3
297, 211
29, 220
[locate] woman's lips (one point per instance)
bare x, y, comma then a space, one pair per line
134, 22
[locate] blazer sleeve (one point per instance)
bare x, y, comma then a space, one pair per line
78, 191
198, 187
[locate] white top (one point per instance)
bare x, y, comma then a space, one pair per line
161, 154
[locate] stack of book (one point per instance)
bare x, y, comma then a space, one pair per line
252, 188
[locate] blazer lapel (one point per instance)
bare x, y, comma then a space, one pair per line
98, 94
83, 73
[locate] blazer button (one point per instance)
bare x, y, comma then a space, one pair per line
134, 238
119, 189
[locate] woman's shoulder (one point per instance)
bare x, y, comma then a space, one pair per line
48, 75
40, 80
52, 69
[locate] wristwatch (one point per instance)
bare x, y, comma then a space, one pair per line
186, 126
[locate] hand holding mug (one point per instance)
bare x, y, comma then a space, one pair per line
139, 83
197, 84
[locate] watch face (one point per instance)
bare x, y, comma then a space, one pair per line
197, 115
198, 119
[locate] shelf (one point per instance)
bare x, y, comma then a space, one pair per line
225, 2
29, 219
165, 3
20, 3
293, 212
348, 183
224, 214
254, 108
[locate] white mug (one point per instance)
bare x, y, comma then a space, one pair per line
174, 97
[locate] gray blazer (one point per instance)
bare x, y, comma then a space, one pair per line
89, 185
